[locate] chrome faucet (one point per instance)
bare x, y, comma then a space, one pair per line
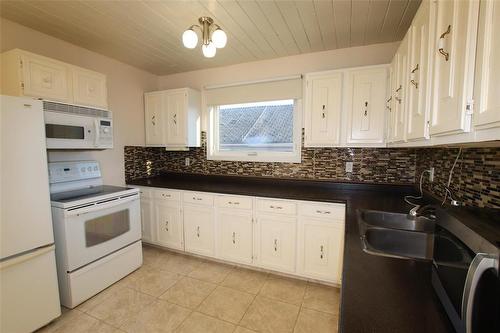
427, 211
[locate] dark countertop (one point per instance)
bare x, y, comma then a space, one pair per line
379, 294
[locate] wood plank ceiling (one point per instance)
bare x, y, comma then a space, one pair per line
147, 34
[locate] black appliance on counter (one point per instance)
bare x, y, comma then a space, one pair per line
465, 276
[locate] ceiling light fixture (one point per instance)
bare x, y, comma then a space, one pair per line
213, 37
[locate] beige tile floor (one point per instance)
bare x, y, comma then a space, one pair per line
177, 293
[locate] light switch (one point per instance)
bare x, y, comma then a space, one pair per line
187, 161
348, 167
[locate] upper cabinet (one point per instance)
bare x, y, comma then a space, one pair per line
323, 109
454, 47
28, 74
486, 116
399, 89
172, 118
366, 92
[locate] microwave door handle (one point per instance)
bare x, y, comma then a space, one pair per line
97, 134
480, 263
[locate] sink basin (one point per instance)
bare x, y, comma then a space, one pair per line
396, 235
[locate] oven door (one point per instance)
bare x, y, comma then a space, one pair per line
69, 131
95, 231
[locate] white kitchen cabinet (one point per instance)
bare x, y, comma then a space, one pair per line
172, 118
399, 89
147, 216
276, 242
199, 229
486, 117
419, 72
323, 108
366, 104
454, 48
28, 74
235, 234
89, 88
169, 226
153, 120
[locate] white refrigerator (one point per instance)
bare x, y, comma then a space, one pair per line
29, 295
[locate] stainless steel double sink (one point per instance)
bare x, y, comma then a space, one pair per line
396, 235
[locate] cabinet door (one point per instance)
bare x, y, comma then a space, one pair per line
366, 105
320, 249
46, 79
235, 235
323, 109
454, 49
89, 88
169, 227
199, 229
147, 218
154, 106
399, 92
487, 86
418, 102
276, 242
176, 118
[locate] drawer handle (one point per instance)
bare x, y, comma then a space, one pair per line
323, 211
166, 195
166, 225
198, 231
276, 207
197, 199
321, 252
275, 245
234, 203
234, 237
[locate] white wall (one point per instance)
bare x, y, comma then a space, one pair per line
299, 64
126, 86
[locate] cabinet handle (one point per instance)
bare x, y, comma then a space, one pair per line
165, 195
412, 81
46, 80
275, 245
276, 207
388, 106
366, 109
397, 98
323, 113
198, 231
153, 120
323, 211
321, 252
197, 199
166, 225
175, 118
441, 44
234, 203
234, 237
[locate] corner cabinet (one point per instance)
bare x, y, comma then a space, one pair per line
299, 238
28, 74
323, 108
172, 118
366, 91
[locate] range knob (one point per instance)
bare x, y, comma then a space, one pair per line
105, 130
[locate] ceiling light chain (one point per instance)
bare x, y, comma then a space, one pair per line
213, 37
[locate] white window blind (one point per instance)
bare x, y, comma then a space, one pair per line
259, 91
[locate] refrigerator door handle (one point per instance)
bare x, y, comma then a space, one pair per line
26, 256
480, 263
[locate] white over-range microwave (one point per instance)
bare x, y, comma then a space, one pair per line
76, 127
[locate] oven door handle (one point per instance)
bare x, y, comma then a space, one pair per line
480, 263
104, 204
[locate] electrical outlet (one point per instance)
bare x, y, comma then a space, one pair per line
187, 161
348, 167
431, 174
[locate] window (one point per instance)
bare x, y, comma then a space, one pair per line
262, 131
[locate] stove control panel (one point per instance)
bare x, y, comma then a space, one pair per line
73, 171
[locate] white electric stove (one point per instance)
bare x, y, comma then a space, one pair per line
97, 230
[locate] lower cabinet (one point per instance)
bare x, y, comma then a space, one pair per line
300, 238
235, 235
168, 223
320, 244
199, 229
276, 243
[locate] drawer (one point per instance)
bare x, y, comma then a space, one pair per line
329, 211
228, 201
277, 206
199, 198
167, 194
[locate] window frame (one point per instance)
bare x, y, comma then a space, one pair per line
213, 152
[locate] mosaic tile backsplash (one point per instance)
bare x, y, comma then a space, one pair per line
476, 179
370, 165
